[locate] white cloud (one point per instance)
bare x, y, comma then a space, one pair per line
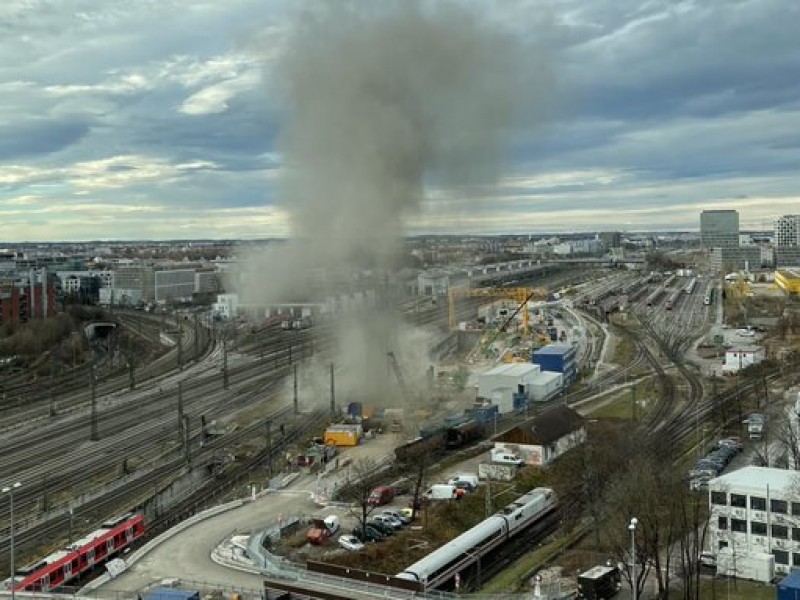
215, 97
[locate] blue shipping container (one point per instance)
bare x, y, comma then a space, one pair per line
559, 358
789, 587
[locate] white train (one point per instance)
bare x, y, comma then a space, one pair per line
443, 564
709, 294
691, 286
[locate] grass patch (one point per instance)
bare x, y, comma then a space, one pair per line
624, 350
620, 408
515, 576
618, 404
739, 590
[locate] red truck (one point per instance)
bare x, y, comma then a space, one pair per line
381, 495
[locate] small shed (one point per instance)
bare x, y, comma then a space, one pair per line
543, 438
741, 357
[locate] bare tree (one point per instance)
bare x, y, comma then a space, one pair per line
358, 490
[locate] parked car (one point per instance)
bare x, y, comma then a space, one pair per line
464, 485
368, 534
385, 528
468, 478
392, 522
404, 520
407, 512
351, 543
735, 442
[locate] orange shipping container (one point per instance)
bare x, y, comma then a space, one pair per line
343, 435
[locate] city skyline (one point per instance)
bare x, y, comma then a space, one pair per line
161, 119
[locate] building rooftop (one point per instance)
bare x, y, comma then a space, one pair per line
744, 349
548, 427
554, 349
757, 478
513, 369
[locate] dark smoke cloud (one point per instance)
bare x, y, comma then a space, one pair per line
385, 99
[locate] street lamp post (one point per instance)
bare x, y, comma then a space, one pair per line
10, 491
632, 527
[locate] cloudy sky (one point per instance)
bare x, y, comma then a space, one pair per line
130, 119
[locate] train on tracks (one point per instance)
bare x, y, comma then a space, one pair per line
80, 557
454, 433
692, 284
709, 293
672, 301
441, 566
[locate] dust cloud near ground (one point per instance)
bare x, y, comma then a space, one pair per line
384, 100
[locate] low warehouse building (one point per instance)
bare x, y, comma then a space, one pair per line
500, 384
542, 439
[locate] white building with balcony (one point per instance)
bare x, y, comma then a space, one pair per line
755, 511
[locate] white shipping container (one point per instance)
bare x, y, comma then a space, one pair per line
545, 385
756, 566
504, 399
505, 376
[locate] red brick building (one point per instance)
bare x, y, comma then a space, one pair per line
21, 302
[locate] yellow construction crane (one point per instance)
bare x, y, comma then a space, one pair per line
520, 295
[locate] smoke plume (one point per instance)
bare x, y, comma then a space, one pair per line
385, 99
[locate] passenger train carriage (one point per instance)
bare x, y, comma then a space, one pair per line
96, 548
441, 565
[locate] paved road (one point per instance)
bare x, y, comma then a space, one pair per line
187, 555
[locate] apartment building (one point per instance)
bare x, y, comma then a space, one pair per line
756, 511
787, 231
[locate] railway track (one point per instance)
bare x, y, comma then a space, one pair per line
37, 400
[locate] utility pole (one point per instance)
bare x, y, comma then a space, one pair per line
131, 374
181, 434
333, 394
269, 448
295, 399
69, 531
180, 345
225, 363
187, 441
52, 410
94, 435
633, 401
196, 336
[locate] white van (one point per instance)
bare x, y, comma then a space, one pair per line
441, 491
469, 478
502, 457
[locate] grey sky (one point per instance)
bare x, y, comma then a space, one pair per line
161, 118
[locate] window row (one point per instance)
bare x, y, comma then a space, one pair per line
780, 532
756, 503
782, 557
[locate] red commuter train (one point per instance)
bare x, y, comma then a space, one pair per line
63, 566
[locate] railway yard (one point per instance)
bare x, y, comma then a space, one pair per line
213, 418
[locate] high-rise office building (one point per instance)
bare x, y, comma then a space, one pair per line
787, 231
719, 228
